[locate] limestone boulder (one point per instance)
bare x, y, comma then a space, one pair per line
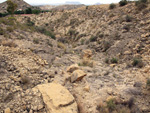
57, 98
77, 75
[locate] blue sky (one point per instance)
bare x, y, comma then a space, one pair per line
63, 1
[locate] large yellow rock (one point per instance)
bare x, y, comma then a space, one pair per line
57, 98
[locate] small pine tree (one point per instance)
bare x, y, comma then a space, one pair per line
11, 7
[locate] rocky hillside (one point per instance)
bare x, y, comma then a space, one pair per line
86, 60
47, 7
21, 5
60, 7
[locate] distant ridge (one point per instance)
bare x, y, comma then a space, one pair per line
72, 3
98, 3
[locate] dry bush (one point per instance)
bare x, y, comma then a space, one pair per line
61, 45
112, 6
25, 80
8, 43
10, 29
36, 41
86, 62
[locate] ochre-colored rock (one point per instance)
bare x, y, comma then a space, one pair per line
57, 98
7, 110
77, 75
87, 54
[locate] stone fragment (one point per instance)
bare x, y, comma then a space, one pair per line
77, 75
72, 68
7, 110
87, 88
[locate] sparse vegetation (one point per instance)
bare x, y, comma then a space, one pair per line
8, 43
93, 38
82, 41
29, 22
25, 80
128, 18
123, 2
108, 41
141, 4
8, 21
111, 104
36, 40
10, 29
86, 62
148, 83
107, 60
114, 60
72, 32
2, 32
137, 62
112, 6
31, 11
46, 32
106, 45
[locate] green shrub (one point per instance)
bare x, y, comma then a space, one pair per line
128, 18
111, 104
49, 43
10, 29
3, 14
36, 11
82, 41
112, 6
148, 83
106, 45
72, 32
19, 12
93, 38
30, 23
107, 60
45, 32
123, 2
87, 7
137, 62
36, 40
28, 11
51, 34
8, 21
2, 32
114, 60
